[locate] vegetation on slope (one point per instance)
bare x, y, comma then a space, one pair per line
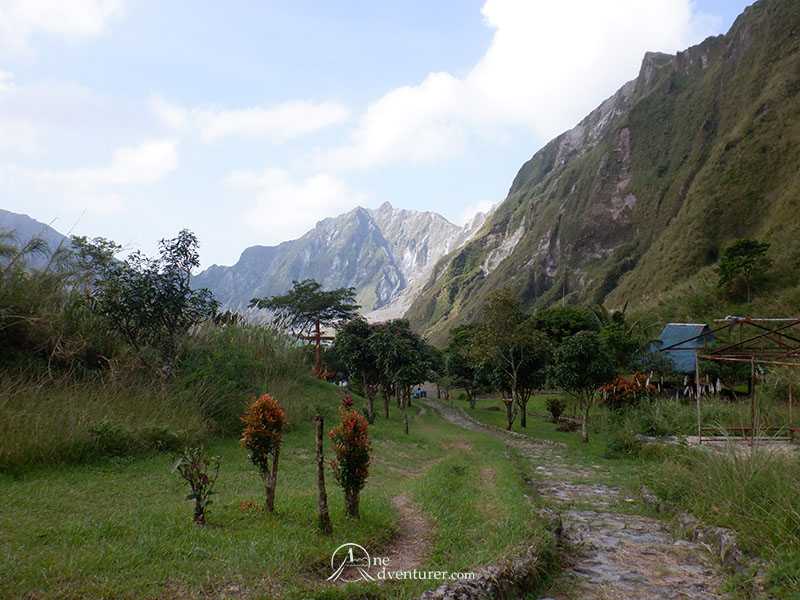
636, 203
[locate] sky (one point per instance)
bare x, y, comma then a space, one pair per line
247, 121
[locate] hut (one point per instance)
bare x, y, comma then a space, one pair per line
680, 341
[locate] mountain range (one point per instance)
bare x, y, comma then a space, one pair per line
635, 204
386, 254
631, 207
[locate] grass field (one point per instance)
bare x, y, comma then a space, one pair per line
121, 527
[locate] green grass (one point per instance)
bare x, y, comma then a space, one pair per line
591, 455
121, 527
754, 493
51, 422
757, 494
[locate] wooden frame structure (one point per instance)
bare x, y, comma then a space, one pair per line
760, 341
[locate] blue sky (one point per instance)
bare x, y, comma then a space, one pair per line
248, 121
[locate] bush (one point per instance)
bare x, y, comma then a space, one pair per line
556, 407
200, 471
627, 391
352, 447
623, 442
264, 422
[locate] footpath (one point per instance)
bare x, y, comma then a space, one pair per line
618, 554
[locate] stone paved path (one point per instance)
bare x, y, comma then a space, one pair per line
619, 555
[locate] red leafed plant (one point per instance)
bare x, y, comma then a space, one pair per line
626, 391
264, 421
352, 447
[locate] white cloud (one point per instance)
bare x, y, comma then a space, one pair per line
469, 212
548, 65
92, 188
278, 123
146, 163
19, 19
285, 209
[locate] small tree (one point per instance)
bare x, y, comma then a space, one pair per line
741, 264
404, 359
582, 364
149, 301
510, 344
264, 422
201, 472
460, 367
354, 348
307, 308
352, 447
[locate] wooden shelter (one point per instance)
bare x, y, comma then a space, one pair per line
754, 341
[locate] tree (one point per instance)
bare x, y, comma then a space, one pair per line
460, 366
403, 357
509, 343
306, 308
352, 447
354, 348
582, 364
149, 302
561, 322
262, 436
742, 263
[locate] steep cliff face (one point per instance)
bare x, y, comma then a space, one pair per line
385, 254
701, 148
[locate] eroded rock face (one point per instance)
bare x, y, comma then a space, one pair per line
385, 254
646, 191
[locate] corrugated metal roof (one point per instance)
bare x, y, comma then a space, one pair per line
676, 334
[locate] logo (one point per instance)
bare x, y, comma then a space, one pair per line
350, 562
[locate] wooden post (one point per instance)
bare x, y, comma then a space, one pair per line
697, 384
752, 399
322, 496
791, 416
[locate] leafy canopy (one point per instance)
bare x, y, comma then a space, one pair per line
743, 261
299, 308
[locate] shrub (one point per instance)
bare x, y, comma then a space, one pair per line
200, 471
627, 391
623, 442
352, 447
556, 407
264, 422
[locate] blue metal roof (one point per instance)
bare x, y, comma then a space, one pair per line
676, 334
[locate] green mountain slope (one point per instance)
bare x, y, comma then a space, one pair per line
636, 203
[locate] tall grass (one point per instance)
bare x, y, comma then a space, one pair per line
755, 492
52, 421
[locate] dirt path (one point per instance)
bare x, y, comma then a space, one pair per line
413, 545
620, 555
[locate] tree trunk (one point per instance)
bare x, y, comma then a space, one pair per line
322, 496
523, 407
270, 480
585, 423
371, 408
351, 504
471, 398
509, 414
386, 406
403, 409
199, 513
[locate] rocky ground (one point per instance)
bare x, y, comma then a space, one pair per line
618, 554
